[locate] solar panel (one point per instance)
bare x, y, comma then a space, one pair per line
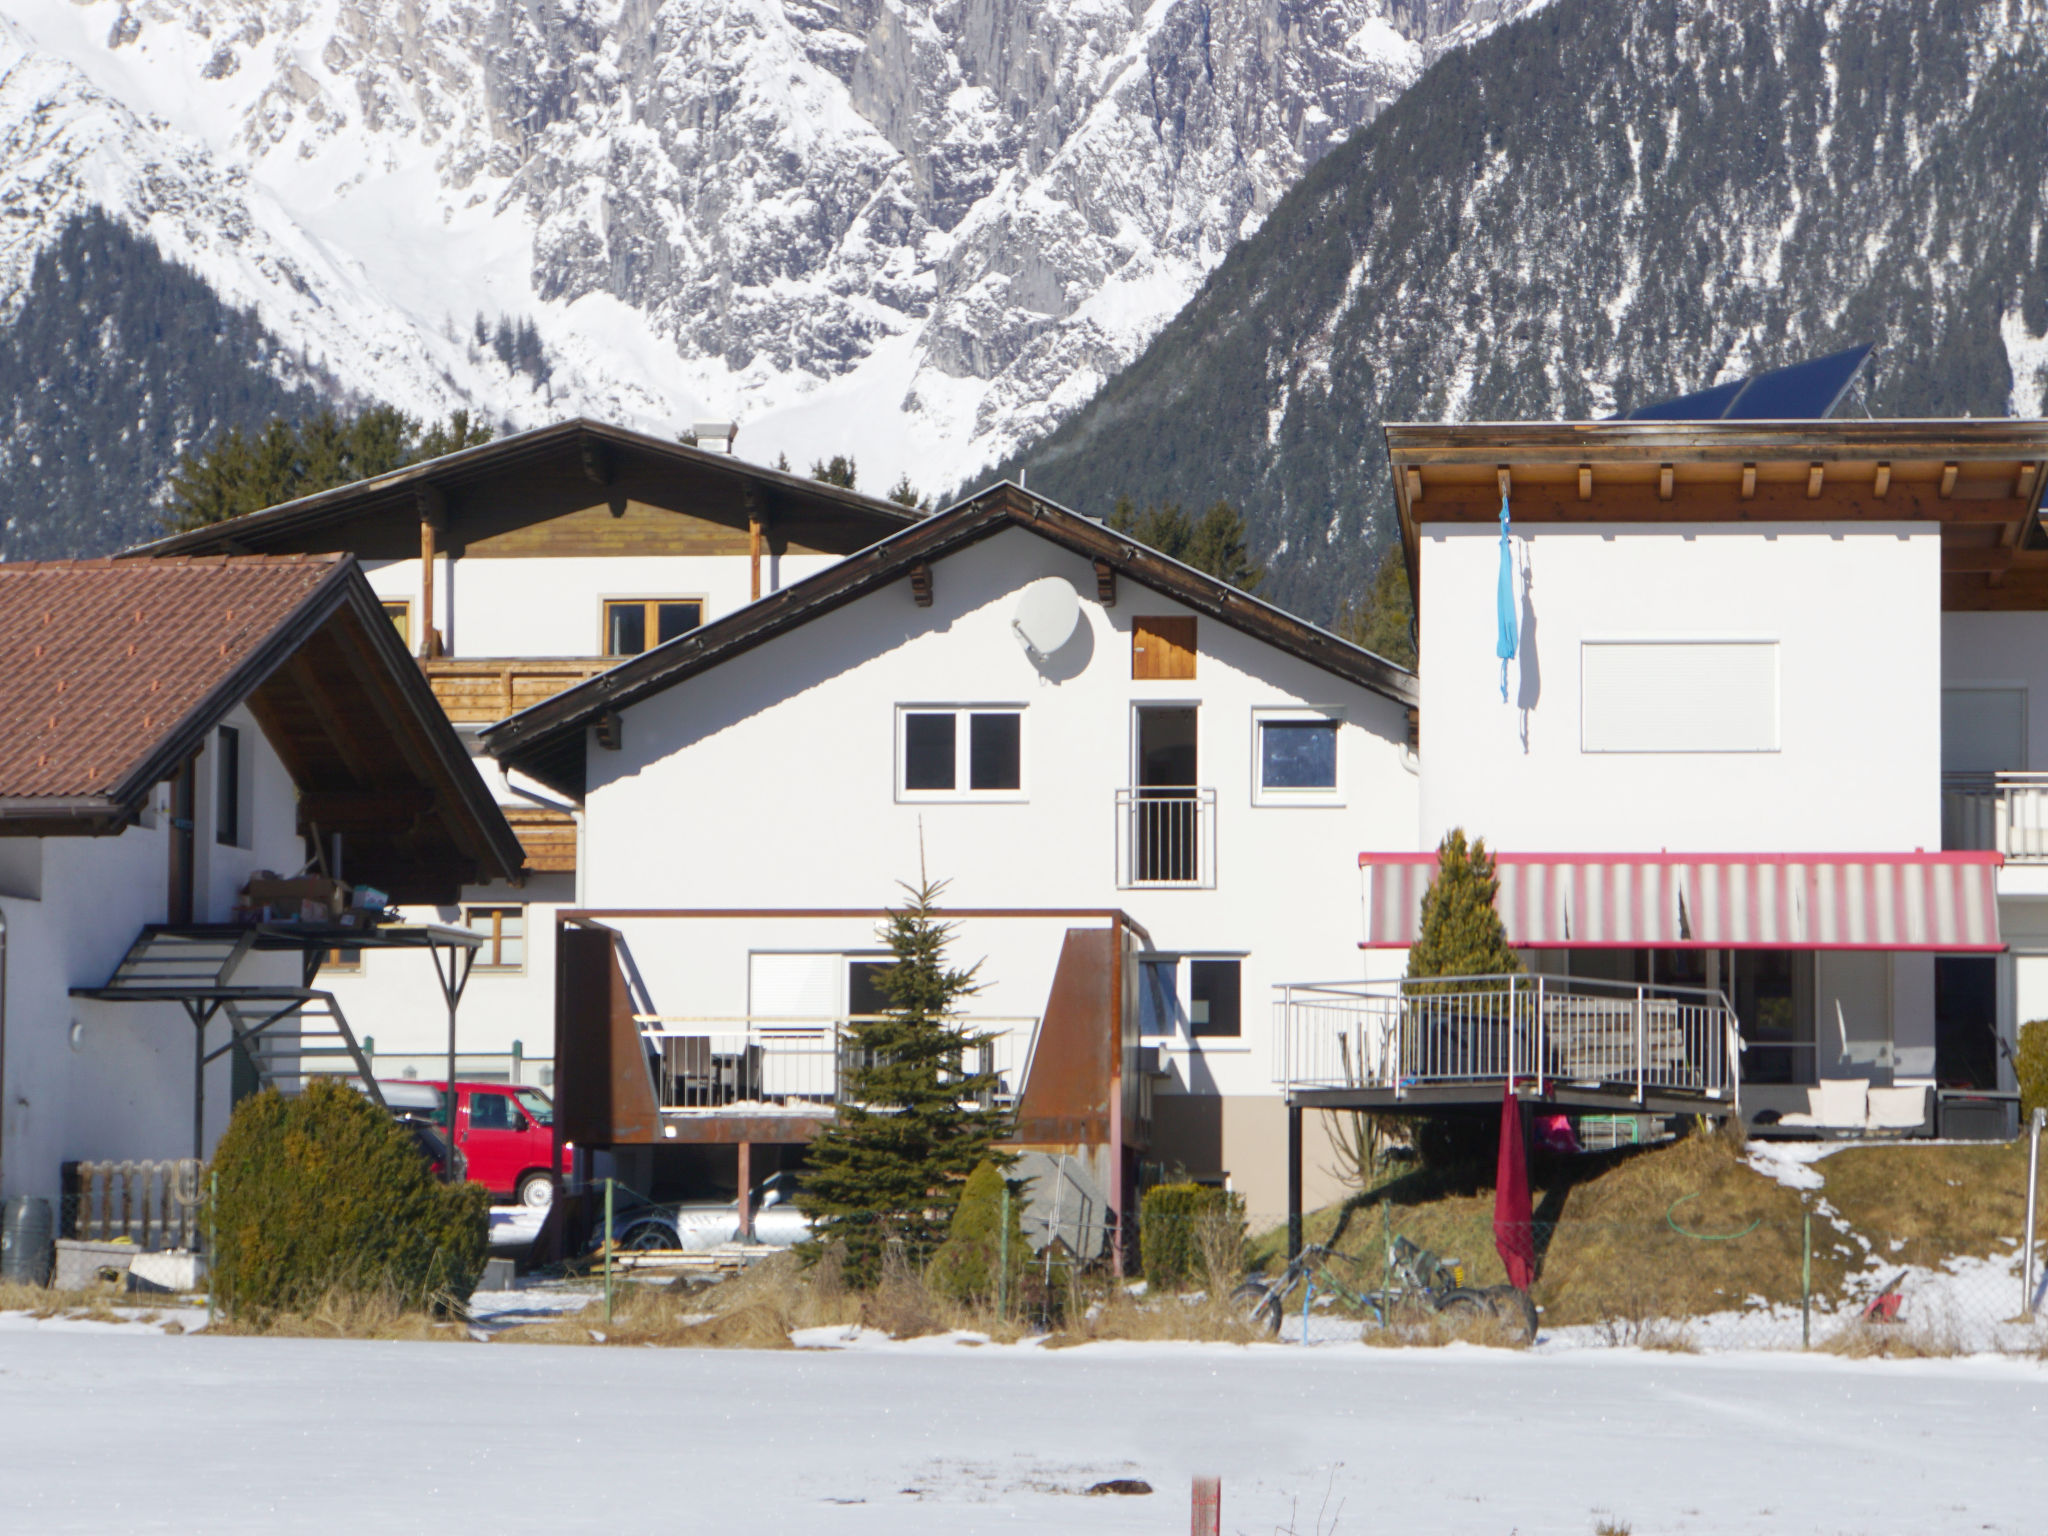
1707, 405
1804, 391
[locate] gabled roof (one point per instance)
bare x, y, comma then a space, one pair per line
547, 740
1981, 481
590, 455
113, 672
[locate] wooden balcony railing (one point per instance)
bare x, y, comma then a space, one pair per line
481, 690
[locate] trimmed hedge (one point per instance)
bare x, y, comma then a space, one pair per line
969, 1262
1170, 1222
326, 1191
2031, 1066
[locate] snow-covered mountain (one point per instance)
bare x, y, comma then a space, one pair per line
917, 231
1605, 205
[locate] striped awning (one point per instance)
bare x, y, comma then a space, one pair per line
1931, 901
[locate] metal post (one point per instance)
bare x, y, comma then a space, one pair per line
745, 1209
212, 1231
1642, 1040
2027, 1264
1293, 1182
608, 1253
1003, 1258
198, 1087
1805, 1274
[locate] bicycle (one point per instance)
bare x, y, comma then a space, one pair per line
1416, 1284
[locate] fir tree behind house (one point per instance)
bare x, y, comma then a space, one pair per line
916, 1117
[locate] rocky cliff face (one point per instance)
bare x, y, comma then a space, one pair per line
1601, 206
917, 230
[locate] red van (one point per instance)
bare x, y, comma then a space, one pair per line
504, 1131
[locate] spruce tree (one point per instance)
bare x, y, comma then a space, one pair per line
1462, 934
838, 470
1383, 621
912, 1123
245, 472
1215, 542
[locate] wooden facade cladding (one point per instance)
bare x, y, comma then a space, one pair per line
1980, 481
483, 690
548, 836
1162, 647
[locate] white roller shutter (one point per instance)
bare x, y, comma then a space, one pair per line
1678, 695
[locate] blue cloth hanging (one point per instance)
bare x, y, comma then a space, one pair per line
1510, 623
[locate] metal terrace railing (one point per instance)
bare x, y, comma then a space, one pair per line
1166, 837
721, 1062
1394, 1036
1996, 813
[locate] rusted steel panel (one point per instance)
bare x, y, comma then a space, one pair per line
604, 1093
1067, 1096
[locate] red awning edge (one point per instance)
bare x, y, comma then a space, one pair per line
1899, 901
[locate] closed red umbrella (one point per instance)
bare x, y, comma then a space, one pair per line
1514, 1232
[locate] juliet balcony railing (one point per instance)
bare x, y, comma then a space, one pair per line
800, 1065
1166, 837
1996, 813
1396, 1036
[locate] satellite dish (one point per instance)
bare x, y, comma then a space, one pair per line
1048, 613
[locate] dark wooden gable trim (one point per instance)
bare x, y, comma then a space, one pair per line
547, 740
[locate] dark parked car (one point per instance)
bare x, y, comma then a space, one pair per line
427, 1139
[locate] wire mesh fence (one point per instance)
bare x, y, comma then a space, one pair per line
1395, 1276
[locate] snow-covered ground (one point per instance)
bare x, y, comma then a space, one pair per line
125, 1429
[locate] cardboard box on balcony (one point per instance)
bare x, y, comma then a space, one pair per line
304, 898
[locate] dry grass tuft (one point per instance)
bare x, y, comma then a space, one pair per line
1607, 1525
1433, 1330
44, 1301
1202, 1317
1922, 1339
760, 1308
345, 1313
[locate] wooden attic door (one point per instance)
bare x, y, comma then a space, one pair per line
1162, 648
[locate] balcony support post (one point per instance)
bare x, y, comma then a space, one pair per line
746, 1199
1293, 1182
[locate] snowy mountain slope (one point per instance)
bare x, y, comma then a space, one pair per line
1728, 185
916, 230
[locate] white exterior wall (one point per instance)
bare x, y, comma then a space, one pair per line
124, 1089
1856, 612
554, 606
530, 606
2002, 650
769, 782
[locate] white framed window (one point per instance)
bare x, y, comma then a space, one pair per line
1191, 998
504, 937
1294, 756
959, 752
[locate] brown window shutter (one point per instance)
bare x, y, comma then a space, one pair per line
1162, 648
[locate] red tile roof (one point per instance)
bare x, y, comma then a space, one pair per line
100, 660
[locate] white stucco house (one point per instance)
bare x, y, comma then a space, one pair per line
172, 728
511, 570
1764, 758
1145, 819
